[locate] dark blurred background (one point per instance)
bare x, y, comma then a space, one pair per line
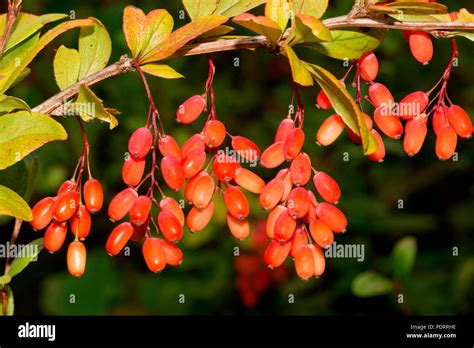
251, 99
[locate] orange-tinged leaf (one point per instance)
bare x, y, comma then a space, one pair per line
159, 25
301, 75
278, 11
261, 25
134, 23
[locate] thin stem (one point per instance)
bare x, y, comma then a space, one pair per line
13, 10
209, 88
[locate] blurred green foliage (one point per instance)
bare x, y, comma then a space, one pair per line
252, 93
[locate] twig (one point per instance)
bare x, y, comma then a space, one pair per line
13, 10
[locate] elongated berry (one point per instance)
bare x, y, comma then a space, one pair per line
193, 162
415, 134
245, 148
439, 118
198, 219
76, 258
42, 213
311, 214
276, 253
68, 185
321, 233
170, 226
285, 226
285, 127
224, 167
172, 172
239, 228
298, 202
300, 169
293, 144
300, 237
214, 133
368, 66
379, 154
154, 254
118, 238
285, 176
189, 187
446, 141
309, 261
203, 191
171, 205
93, 195
121, 204
412, 105
380, 95
327, 187
236, 202
140, 142
271, 219
273, 155
388, 123
140, 210
330, 130
190, 110
272, 193
332, 216
196, 141
249, 180
169, 147
132, 170
55, 236
80, 223
322, 101
460, 121
65, 206
421, 46
173, 254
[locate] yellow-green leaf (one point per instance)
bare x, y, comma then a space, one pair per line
231, 8
221, 30
66, 64
159, 25
309, 29
201, 8
300, 74
10, 302
89, 107
11, 204
370, 283
161, 70
182, 36
9, 104
134, 25
418, 7
315, 8
261, 25
464, 16
349, 44
95, 48
409, 17
5, 279
344, 105
23, 132
30, 251
279, 12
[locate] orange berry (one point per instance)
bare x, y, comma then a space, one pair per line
322, 101
132, 170
421, 46
330, 130
327, 187
193, 162
249, 180
154, 254
245, 148
284, 227
203, 191
214, 133
285, 127
460, 121
380, 95
272, 193
332, 216
68, 185
300, 237
170, 226
55, 236
285, 176
42, 213
446, 142
118, 238
439, 118
140, 142
171, 205
224, 167
321, 233
309, 261
173, 254
189, 188
293, 144
415, 134
76, 258
388, 123
413, 105
300, 169
298, 202
197, 141
239, 228
368, 66
65, 206
190, 110
271, 219
121, 204
198, 219
236, 202
273, 155
169, 147
172, 172
379, 153
140, 210
276, 253
93, 195
80, 223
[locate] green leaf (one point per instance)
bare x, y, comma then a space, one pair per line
15, 177
231, 8
159, 27
408, 17
417, 7
370, 283
315, 8
300, 74
10, 302
403, 257
27, 24
261, 25
5, 279
349, 44
32, 174
161, 70
95, 48
66, 64
90, 107
309, 29
31, 252
197, 9
23, 132
9, 104
344, 105
11, 204
182, 36
279, 12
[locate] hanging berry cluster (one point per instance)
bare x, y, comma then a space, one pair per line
449, 121
70, 206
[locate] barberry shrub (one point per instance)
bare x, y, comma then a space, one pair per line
170, 187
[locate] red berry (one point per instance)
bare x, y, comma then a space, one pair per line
379, 153
172, 172
285, 127
132, 170
276, 253
170, 226
118, 238
171, 205
193, 162
330, 130
446, 142
421, 46
332, 216
121, 204
173, 254
189, 188
169, 147
298, 202
154, 255
140, 210
249, 180
236, 202
203, 191
293, 143
327, 187
55, 236
272, 193
239, 228
284, 227
440, 118
300, 169
65, 206
273, 155
300, 237
76, 258
190, 110
93, 195
309, 261
380, 96
214, 133
413, 105
245, 148
460, 121
285, 176
80, 223
224, 167
388, 123
197, 141
321, 233
322, 101
415, 134
68, 185
271, 219
198, 219
42, 213
140, 142
368, 66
